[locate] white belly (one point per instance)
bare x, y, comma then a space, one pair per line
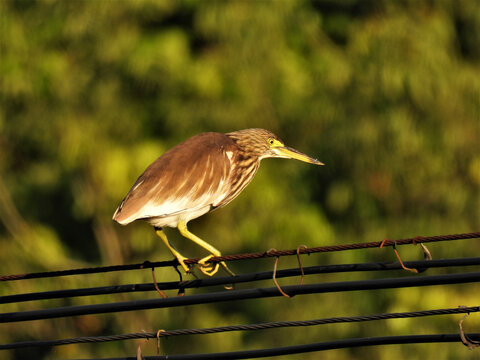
172, 220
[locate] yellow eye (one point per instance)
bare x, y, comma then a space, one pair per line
274, 143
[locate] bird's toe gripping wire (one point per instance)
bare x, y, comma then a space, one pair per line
208, 269
212, 269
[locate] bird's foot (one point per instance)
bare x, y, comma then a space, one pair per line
208, 270
181, 260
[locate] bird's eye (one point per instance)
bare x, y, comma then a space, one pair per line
274, 143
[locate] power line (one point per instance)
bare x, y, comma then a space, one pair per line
244, 294
245, 327
257, 255
319, 346
89, 270
267, 275
355, 246
292, 290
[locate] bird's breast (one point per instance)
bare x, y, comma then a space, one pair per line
241, 174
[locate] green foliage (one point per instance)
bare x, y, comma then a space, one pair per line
386, 93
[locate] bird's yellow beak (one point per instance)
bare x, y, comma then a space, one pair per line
290, 153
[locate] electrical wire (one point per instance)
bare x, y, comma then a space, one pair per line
291, 290
236, 295
319, 346
89, 270
243, 278
257, 255
245, 327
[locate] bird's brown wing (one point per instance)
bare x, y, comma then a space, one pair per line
190, 175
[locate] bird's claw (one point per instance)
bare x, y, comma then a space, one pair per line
208, 270
181, 260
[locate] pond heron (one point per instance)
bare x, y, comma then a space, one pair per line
197, 176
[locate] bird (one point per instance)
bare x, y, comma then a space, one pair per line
199, 175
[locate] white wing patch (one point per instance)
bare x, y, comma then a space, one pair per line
186, 205
170, 212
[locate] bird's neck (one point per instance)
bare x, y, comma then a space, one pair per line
245, 149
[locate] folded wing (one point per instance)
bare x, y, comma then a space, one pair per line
190, 176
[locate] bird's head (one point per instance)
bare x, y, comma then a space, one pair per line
263, 144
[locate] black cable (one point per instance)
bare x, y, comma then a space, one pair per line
291, 290
257, 255
245, 327
90, 270
320, 346
114, 289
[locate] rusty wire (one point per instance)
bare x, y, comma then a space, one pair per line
354, 246
245, 256
162, 294
471, 344
275, 276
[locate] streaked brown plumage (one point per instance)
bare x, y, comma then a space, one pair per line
199, 175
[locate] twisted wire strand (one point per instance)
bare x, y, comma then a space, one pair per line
320, 346
245, 327
354, 246
244, 256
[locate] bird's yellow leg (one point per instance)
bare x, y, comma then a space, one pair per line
182, 227
180, 258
